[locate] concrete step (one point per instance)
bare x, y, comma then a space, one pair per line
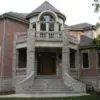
47, 85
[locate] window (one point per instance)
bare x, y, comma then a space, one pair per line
47, 18
85, 60
43, 26
47, 22
51, 26
34, 26
0, 50
22, 58
72, 58
98, 55
59, 27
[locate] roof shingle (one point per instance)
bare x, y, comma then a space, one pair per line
45, 6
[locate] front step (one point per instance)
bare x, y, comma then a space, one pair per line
47, 85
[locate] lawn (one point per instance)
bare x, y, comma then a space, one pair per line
92, 97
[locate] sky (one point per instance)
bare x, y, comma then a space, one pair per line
76, 11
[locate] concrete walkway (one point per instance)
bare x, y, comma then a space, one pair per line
42, 95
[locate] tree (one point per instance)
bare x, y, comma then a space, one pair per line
96, 42
96, 4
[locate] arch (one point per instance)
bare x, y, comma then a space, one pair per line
49, 12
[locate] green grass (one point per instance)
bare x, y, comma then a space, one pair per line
92, 97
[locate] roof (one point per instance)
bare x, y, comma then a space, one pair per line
66, 26
45, 6
82, 26
15, 16
85, 41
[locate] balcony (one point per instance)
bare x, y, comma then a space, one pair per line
48, 36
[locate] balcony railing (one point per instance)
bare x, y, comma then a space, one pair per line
48, 36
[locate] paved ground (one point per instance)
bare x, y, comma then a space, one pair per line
43, 95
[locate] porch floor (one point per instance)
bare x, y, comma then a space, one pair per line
44, 95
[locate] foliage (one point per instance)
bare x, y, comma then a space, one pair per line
97, 25
96, 4
96, 41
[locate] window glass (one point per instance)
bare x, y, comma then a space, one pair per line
85, 60
43, 26
34, 26
72, 58
99, 60
51, 26
47, 18
0, 50
47, 22
59, 27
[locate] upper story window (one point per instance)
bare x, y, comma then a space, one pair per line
47, 22
47, 18
59, 27
34, 26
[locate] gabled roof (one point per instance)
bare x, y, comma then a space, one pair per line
15, 16
45, 6
82, 26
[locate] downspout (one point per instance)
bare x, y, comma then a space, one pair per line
3, 51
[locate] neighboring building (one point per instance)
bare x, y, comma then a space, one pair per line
40, 54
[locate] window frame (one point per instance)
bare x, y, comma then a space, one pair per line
0, 50
47, 23
97, 59
74, 60
85, 51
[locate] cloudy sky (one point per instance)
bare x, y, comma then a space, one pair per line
76, 11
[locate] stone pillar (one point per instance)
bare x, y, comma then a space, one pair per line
31, 52
65, 54
77, 63
15, 61
65, 59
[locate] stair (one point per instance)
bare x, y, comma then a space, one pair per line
47, 85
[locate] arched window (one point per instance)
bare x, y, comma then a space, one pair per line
47, 22
47, 18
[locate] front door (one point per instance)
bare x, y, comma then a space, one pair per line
47, 64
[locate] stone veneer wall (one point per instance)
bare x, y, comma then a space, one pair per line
92, 81
6, 84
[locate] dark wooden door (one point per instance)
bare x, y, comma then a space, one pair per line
48, 64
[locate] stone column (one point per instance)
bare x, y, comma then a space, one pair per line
31, 52
15, 62
65, 54
77, 63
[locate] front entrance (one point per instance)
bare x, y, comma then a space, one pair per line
46, 63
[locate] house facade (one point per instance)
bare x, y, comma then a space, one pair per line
40, 54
